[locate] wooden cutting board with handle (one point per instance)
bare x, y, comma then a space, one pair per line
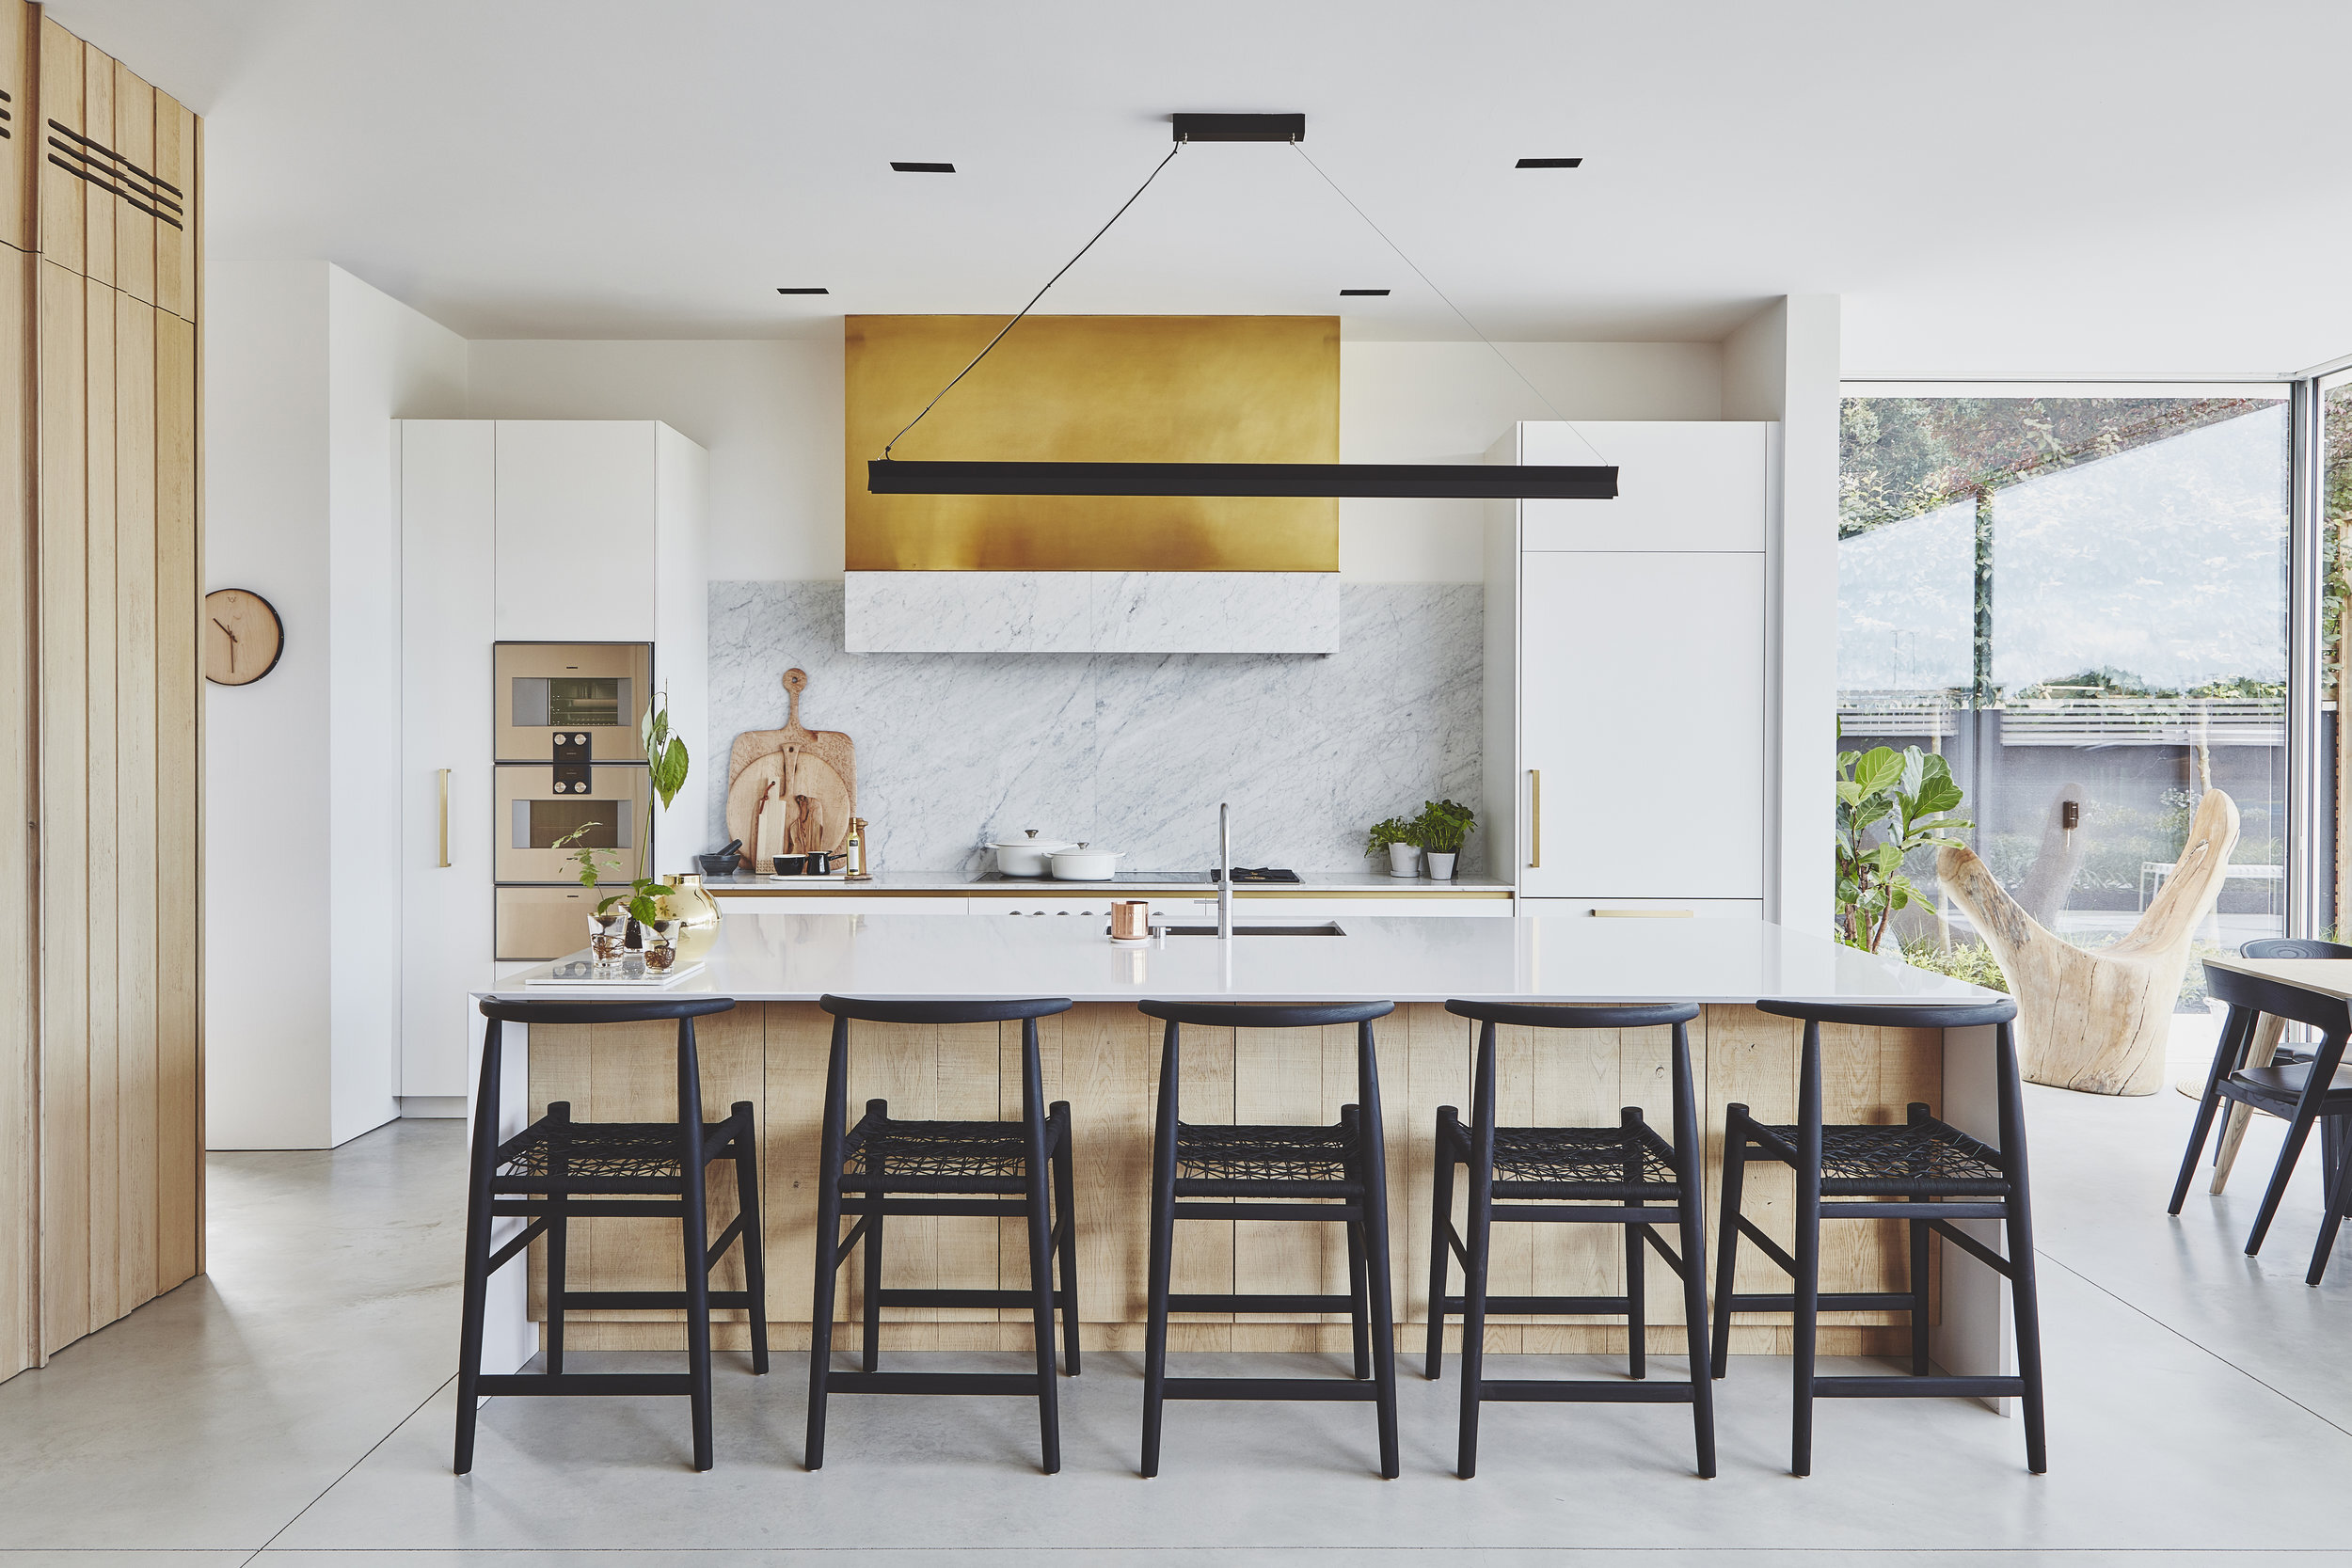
793, 789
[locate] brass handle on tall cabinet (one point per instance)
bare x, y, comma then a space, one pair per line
1535, 817
444, 817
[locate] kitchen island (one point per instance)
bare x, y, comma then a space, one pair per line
1100, 1057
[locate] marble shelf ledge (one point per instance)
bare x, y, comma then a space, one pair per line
1091, 613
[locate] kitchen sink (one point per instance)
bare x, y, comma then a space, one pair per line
1329, 929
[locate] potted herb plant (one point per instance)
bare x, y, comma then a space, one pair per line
1440, 829
1395, 835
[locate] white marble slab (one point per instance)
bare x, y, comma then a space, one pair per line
1087, 612
1397, 959
1130, 752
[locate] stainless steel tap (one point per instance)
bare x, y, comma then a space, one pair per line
1225, 872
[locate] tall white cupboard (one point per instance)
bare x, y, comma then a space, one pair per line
1626, 680
541, 530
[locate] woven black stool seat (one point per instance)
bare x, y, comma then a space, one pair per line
1575, 1162
1914, 1159
1278, 1161
882, 1151
604, 1156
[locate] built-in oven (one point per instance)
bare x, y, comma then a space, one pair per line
536, 806
542, 923
570, 702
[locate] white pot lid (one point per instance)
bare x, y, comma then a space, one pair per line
1030, 841
1083, 849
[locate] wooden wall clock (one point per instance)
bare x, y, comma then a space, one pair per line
242, 637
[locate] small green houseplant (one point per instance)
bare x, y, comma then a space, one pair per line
1890, 805
666, 764
1442, 829
1395, 835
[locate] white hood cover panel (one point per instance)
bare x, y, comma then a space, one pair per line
1091, 613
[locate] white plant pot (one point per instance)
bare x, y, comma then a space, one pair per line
1403, 860
1441, 868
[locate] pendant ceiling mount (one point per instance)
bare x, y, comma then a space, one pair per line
887, 476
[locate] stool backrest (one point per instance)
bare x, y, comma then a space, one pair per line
2292, 948
637, 1010
1266, 1014
1561, 1015
1897, 1015
942, 1010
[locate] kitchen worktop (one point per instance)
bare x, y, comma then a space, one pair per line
1401, 959
1328, 883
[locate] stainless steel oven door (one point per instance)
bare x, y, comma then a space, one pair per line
575, 701
537, 805
542, 923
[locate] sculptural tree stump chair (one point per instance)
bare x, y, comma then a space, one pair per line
558, 1170
1624, 1175
949, 1169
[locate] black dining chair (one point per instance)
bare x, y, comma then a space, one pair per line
2331, 1129
2301, 1093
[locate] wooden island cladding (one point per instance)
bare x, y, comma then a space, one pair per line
1103, 1058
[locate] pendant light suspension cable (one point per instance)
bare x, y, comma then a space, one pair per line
1040, 295
1464, 320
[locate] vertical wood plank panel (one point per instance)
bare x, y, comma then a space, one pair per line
1437, 1072
133, 140
98, 207
176, 139
60, 199
179, 697
1203, 1260
20, 44
64, 816
134, 798
559, 1071
1109, 1061
969, 1086
797, 1035
1278, 1079
19, 1060
1752, 1060
104, 731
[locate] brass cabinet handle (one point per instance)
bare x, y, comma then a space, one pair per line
444, 773
1535, 816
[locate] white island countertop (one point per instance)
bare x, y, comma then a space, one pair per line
1400, 959
1351, 884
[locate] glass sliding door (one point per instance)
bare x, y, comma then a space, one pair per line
2078, 596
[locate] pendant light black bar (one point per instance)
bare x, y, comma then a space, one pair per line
1408, 481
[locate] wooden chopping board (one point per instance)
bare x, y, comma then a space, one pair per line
793, 789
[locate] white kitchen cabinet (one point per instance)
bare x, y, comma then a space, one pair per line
1645, 909
448, 585
838, 903
523, 530
1627, 655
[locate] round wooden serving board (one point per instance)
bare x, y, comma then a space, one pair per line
792, 789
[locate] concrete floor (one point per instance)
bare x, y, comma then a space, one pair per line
296, 1403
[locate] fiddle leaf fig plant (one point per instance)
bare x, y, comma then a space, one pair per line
1890, 805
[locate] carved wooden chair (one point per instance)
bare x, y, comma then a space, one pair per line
2098, 1021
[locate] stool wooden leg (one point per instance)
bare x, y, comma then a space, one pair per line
482, 1166
1035, 1166
1727, 1232
828, 1242
1476, 1244
1380, 1279
1440, 1252
876, 1163
1690, 1211
696, 1248
1808, 1251
1162, 1247
559, 1236
2024, 1298
755, 1244
1636, 1245
1359, 1298
1066, 1213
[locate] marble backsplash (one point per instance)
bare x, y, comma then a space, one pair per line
1128, 752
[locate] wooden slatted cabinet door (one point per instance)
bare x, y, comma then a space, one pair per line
64, 817
61, 192
104, 730
20, 153
99, 205
176, 142
179, 699
136, 710
134, 142
20, 1079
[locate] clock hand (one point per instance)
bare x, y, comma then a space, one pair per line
224, 631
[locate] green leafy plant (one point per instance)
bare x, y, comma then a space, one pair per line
1890, 805
1394, 830
666, 765
1443, 826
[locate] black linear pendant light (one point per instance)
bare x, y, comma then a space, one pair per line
888, 476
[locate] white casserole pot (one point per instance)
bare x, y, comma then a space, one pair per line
1027, 855
1078, 864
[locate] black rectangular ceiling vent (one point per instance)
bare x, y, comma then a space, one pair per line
804, 291
922, 168
1549, 163
1240, 127
1368, 293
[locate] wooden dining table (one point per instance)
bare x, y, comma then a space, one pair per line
2329, 977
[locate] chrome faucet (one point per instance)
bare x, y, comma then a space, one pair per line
1224, 872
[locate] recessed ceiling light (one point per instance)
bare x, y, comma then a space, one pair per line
922, 168
1371, 293
1548, 162
804, 291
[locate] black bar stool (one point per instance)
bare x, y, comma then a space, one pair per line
557, 1170
1336, 1173
1921, 1170
1571, 1175
958, 1169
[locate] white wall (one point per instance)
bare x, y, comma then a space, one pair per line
769, 415
304, 368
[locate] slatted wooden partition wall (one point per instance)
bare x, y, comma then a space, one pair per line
100, 1174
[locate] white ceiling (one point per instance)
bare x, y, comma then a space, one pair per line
2002, 188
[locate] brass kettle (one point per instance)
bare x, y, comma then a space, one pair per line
697, 914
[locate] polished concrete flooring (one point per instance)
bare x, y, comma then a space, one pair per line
295, 1404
